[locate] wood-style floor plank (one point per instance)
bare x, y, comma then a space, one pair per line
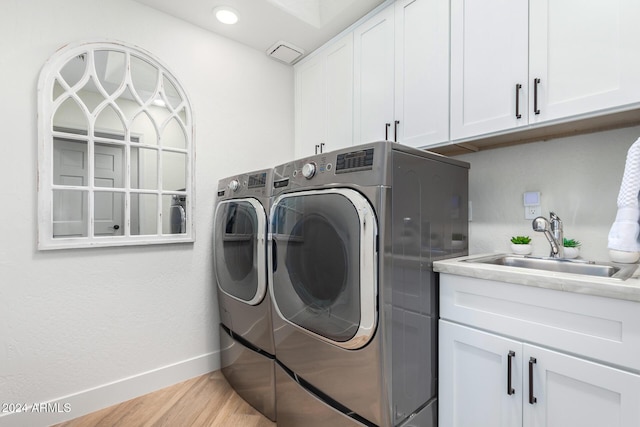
207, 401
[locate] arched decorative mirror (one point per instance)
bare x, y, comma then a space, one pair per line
116, 150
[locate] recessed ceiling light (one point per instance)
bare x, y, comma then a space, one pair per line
226, 15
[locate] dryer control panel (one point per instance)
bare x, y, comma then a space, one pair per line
355, 161
352, 166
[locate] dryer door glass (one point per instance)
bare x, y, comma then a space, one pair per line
239, 251
317, 277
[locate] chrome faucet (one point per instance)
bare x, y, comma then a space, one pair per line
553, 232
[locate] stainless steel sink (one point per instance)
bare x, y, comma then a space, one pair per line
589, 268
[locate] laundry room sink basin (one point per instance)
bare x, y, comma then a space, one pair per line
582, 267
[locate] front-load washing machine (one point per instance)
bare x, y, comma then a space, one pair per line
240, 257
353, 236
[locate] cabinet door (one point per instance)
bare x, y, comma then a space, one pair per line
422, 72
373, 78
339, 96
489, 57
573, 392
474, 378
585, 55
310, 106
324, 99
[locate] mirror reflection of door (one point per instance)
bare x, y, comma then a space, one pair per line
70, 210
108, 206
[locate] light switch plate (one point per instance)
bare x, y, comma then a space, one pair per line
531, 198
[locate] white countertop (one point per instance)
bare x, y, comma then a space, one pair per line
591, 285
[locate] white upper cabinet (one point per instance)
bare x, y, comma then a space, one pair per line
516, 63
310, 106
489, 59
373, 80
402, 74
586, 55
422, 72
429, 72
324, 99
339, 69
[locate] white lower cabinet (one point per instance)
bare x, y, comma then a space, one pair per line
473, 378
490, 381
567, 391
512, 355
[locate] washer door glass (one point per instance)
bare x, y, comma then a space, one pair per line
239, 249
323, 254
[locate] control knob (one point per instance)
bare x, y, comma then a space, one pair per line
234, 185
309, 170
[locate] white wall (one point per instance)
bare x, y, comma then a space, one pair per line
94, 326
579, 178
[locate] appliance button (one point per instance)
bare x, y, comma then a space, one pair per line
234, 185
309, 170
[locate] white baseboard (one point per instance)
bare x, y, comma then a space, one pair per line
75, 405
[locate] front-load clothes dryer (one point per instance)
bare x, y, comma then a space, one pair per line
353, 236
240, 268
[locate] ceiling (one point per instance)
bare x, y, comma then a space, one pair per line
305, 24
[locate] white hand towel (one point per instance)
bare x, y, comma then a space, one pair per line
625, 231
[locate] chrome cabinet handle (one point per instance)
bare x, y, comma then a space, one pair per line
536, 82
518, 87
532, 398
510, 389
395, 130
386, 131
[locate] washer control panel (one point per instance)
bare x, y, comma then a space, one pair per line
255, 184
257, 180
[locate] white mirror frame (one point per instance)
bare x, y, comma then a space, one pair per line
50, 76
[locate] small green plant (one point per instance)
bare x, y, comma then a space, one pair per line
521, 240
571, 243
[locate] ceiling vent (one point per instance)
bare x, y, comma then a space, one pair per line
285, 52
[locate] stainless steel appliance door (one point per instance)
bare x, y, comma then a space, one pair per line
324, 264
239, 251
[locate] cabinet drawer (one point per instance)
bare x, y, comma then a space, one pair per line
594, 327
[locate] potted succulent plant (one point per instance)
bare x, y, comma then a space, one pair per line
521, 245
571, 248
